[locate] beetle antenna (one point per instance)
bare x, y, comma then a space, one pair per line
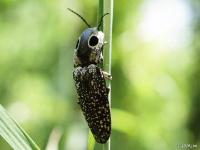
79, 17
102, 20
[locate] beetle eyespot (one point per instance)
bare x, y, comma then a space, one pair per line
93, 41
77, 43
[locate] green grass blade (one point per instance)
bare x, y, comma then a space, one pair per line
91, 141
14, 135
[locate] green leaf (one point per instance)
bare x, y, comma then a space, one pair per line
15, 136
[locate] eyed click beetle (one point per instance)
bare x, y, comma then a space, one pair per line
90, 81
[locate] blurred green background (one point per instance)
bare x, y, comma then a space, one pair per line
155, 69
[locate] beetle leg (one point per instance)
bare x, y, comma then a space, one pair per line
107, 75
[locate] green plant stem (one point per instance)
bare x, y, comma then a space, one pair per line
105, 7
107, 28
101, 12
108, 7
